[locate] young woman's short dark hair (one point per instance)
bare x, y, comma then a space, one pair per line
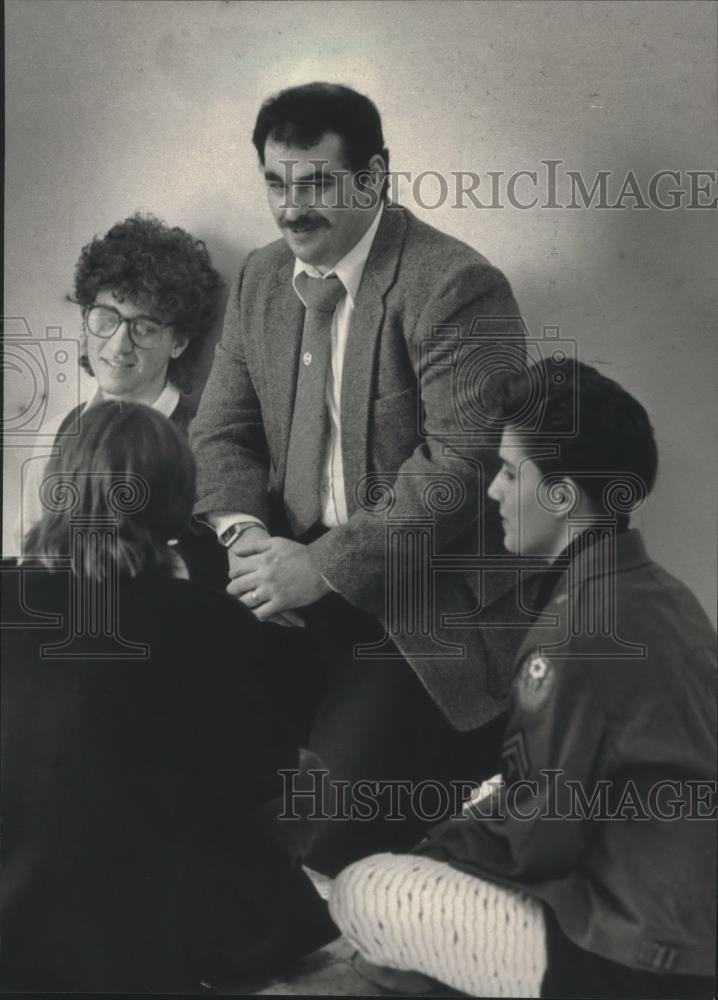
127, 462
143, 259
601, 433
299, 116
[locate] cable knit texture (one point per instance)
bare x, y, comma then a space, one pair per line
420, 915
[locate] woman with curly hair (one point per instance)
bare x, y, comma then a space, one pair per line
149, 297
148, 294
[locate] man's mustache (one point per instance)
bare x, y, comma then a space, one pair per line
305, 222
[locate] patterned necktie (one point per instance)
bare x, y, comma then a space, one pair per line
307, 439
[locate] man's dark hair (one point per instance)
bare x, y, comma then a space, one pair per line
142, 259
601, 432
299, 116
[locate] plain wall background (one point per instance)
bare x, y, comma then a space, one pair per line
118, 106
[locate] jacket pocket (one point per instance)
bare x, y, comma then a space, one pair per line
398, 401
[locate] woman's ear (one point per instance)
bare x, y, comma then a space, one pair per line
567, 496
560, 497
179, 346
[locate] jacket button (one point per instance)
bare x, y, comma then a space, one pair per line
307, 358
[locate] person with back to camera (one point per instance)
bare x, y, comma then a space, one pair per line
149, 297
588, 868
138, 749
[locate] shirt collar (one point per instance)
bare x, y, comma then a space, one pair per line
166, 402
350, 268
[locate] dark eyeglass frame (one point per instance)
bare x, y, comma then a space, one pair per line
144, 343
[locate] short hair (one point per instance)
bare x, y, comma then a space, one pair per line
123, 450
143, 259
299, 116
600, 431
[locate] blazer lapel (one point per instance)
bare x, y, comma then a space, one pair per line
282, 326
358, 373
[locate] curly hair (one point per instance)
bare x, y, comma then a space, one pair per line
598, 428
145, 260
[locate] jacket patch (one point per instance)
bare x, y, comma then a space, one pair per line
535, 682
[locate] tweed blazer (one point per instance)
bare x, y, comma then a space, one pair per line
430, 319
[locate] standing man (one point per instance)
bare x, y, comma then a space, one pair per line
326, 437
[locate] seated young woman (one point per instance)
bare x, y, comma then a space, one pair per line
138, 748
588, 868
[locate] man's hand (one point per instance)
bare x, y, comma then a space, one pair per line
273, 575
243, 547
239, 551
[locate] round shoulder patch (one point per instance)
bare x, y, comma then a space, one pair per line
535, 682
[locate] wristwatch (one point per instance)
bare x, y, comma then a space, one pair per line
235, 531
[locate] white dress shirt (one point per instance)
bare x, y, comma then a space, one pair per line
349, 270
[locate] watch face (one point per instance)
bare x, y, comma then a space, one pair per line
228, 536
232, 534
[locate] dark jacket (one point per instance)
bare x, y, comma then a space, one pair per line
615, 697
432, 321
134, 763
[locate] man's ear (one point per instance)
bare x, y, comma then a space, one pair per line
373, 174
377, 166
370, 182
179, 345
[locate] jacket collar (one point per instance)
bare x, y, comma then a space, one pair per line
606, 554
361, 353
384, 256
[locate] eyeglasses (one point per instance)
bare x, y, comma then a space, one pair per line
105, 321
